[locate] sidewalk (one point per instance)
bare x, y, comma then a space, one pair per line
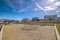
1, 33
57, 34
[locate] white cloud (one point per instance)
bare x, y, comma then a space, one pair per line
52, 7
57, 4
57, 11
35, 9
51, 0
48, 8
23, 10
40, 7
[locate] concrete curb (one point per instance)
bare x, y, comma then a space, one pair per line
57, 34
1, 33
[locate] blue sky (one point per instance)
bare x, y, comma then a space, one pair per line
19, 9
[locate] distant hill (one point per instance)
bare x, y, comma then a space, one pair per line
2, 19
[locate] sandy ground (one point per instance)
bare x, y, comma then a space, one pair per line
28, 32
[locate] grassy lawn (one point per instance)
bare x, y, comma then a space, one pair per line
58, 28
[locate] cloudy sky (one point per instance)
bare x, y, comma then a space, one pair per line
19, 9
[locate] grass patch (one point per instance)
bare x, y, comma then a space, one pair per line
58, 28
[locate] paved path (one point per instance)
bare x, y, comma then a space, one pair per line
57, 34
59, 38
1, 33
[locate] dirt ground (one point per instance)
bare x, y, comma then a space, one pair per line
28, 32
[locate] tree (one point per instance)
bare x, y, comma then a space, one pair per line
50, 18
6, 22
35, 19
25, 20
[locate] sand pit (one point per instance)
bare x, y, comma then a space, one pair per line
29, 28
17, 32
